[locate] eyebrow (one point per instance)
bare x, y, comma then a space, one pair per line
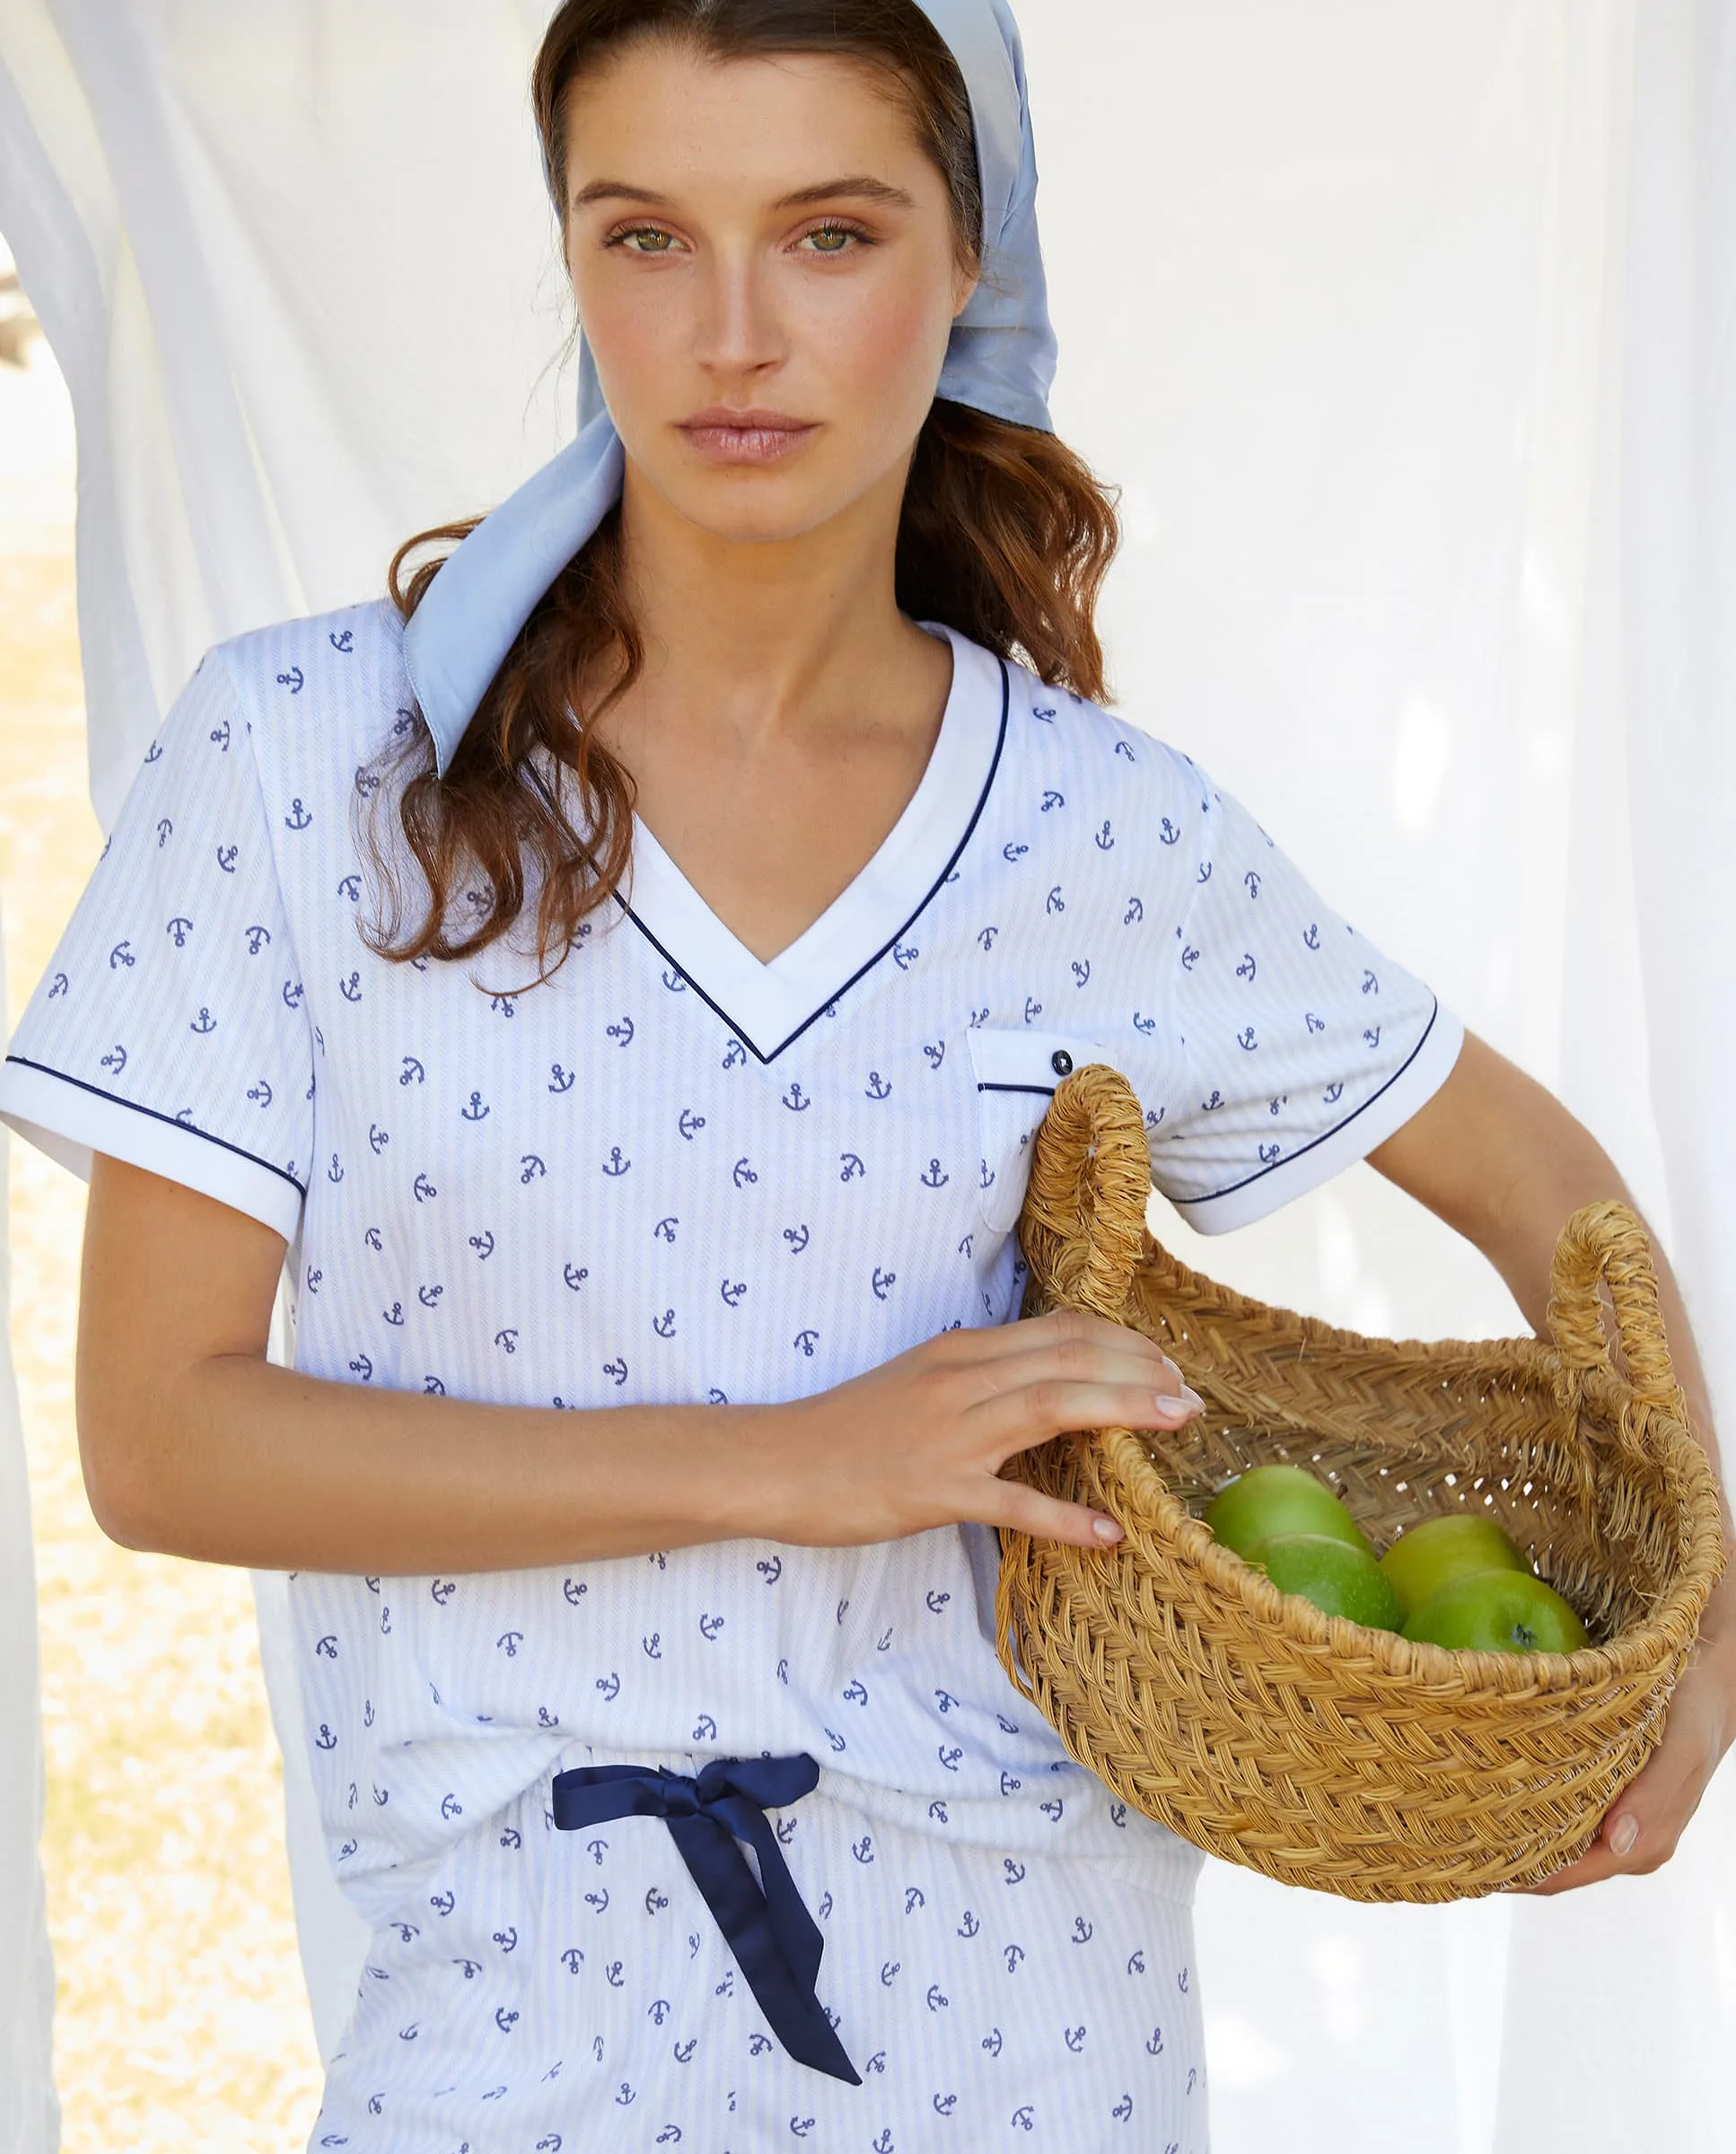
861, 187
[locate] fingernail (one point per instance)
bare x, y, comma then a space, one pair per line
1193, 1399
1623, 1834
1106, 1529
1174, 1409
1174, 1368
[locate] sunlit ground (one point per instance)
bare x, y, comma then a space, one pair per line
181, 2020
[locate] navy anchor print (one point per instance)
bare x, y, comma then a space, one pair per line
626, 1185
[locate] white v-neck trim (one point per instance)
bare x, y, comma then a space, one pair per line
766, 1005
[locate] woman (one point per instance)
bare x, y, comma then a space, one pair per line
623, 980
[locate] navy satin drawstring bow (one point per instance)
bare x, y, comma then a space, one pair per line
775, 1941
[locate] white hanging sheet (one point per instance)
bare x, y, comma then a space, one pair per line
1407, 330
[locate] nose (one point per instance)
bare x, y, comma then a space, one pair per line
738, 333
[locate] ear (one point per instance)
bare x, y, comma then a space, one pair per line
964, 289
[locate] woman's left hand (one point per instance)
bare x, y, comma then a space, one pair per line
1505, 1163
1642, 1826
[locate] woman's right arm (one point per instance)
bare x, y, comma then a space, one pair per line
193, 1444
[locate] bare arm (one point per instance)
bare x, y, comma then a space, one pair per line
1501, 1160
193, 1444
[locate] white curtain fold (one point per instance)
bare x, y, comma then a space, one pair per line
1409, 329
29, 2116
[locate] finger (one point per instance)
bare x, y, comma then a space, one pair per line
1602, 1860
1591, 1868
1101, 1362
1023, 1509
1083, 1335
1167, 1381
1084, 1322
1077, 1341
1016, 1420
1129, 1373
1073, 1330
1638, 1833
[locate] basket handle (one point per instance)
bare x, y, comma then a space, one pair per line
1605, 1242
1082, 1227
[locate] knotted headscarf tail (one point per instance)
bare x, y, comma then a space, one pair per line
1001, 360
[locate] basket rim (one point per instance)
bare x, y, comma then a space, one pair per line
1534, 1355
1640, 1653
1635, 1654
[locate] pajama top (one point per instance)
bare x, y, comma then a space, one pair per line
675, 1173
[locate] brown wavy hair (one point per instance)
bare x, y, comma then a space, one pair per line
1004, 535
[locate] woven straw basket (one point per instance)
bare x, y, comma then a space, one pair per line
1299, 1744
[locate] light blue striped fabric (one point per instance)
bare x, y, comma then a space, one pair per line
1001, 360
671, 1175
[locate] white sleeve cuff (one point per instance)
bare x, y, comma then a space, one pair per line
1410, 1087
69, 1120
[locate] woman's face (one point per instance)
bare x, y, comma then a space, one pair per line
765, 268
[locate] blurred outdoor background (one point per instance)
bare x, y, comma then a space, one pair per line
1406, 330
181, 2020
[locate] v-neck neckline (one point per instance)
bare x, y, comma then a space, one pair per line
768, 1004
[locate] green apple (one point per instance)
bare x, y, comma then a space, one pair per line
1497, 1612
1340, 1580
1425, 1559
1269, 1500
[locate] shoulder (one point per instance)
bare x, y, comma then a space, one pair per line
1063, 738
317, 694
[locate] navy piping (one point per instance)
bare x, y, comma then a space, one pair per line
1181, 1202
868, 965
156, 1115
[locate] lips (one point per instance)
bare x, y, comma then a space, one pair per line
753, 436
758, 420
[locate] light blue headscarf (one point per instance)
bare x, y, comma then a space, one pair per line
1001, 360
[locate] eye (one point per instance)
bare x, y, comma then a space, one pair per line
834, 238
642, 238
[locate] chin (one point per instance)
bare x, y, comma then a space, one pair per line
759, 509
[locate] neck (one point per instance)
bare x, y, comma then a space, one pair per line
771, 642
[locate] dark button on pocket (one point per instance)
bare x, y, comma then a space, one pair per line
1016, 1071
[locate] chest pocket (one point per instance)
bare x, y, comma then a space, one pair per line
1017, 1070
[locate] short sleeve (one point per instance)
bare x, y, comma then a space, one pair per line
1298, 1047
170, 1028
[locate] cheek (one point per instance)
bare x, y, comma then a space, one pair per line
635, 328
886, 344
898, 335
